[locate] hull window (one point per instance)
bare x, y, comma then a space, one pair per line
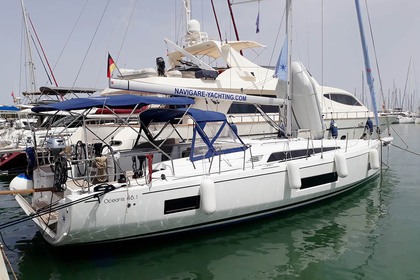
182, 204
343, 99
319, 180
241, 108
282, 156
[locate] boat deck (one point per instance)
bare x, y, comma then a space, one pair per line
49, 218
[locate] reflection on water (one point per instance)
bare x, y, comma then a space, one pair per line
301, 244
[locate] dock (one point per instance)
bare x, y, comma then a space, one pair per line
4, 275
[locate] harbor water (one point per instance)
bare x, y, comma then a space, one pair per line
372, 232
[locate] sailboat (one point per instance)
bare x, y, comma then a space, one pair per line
20, 133
398, 112
191, 171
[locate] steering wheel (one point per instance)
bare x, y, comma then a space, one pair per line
80, 156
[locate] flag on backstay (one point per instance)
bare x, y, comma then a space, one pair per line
257, 22
111, 66
281, 66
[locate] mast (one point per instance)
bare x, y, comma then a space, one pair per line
193, 34
30, 64
367, 65
405, 87
289, 66
363, 88
217, 21
234, 23
187, 5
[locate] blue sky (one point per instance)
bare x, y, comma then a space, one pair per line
77, 35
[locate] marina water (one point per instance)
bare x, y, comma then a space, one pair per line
372, 232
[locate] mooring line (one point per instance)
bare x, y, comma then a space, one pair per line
402, 140
399, 136
405, 149
7, 262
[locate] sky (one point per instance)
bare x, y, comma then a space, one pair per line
77, 35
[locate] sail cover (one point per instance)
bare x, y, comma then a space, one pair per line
115, 101
166, 115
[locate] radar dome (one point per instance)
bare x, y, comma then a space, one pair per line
193, 26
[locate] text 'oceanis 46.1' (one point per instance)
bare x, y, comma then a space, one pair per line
188, 169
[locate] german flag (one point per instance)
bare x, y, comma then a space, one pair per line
111, 66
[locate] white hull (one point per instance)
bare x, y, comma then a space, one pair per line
405, 120
400, 116
138, 210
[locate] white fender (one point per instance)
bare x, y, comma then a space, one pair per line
21, 182
341, 165
293, 173
374, 159
208, 196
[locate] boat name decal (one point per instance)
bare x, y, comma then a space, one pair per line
210, 94
114, 200
120, 199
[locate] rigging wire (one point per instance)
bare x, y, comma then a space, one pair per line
276, 40
43, 52
40, 57
7, 260
126, 30
31, 71
91, 42
123, 40
71, 33
20, 63
258, 54
377, 64
415, 86
177, 24
322, 65
217, 21
52, 208
374, 51
234, 23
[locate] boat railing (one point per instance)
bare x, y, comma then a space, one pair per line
337, 115
253, 118
93, 168
220, 159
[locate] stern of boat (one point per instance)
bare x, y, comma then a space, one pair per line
42, 203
